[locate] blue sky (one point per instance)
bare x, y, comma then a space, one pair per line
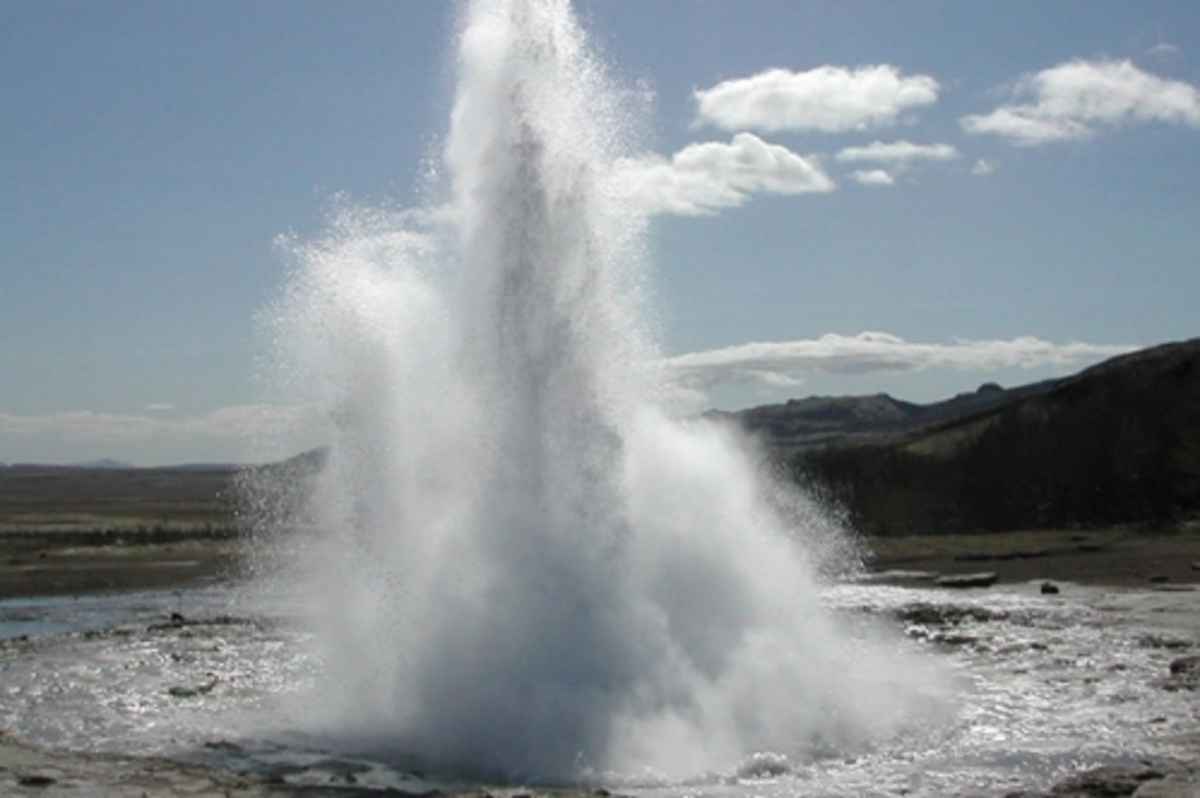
848, 197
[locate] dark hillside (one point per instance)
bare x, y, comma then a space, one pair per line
818, 421
1116, 444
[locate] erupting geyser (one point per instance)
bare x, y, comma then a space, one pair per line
525, 566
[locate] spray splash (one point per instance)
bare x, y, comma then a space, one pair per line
526, 568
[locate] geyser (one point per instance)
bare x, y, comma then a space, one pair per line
524, 566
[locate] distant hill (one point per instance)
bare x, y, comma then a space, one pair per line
819, 421
1118, 443
105, 463
199, 467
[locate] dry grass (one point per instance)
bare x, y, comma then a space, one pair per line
73, 499
1038, 541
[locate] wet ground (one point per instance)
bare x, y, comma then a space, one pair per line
187, 692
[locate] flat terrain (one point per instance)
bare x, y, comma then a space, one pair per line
1117, 557
70, 530
62, 498
62, 563
75, 531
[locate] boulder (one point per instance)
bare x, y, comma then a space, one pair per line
1185, 674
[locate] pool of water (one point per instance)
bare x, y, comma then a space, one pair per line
1046, 685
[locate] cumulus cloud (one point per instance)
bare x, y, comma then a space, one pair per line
1070, 101
786, 362
242, 421
873, 177
898, 153
828, 99
706, 177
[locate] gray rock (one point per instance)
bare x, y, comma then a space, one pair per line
1185, 665
985, 579
36, 780
1164, 642
1114, 781
1175, 785
899, 575
947, 614
1185, 674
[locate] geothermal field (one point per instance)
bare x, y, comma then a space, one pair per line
516, 565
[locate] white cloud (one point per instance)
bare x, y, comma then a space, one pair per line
779, 363
873, 177
84, 424
828, 99
1163, 50
786, 362
897, 152
242, 421
704, 178
984, 167
1069, 101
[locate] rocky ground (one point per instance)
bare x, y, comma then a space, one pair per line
26, 770
1119, 558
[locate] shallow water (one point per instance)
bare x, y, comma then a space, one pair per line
1047, 685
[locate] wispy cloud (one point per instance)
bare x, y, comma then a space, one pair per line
241, 421
787, 362
897, 156
1163, 50
706, 177
827, 99
873, 177
1070, 101
776, 363
897, 152
984, 167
